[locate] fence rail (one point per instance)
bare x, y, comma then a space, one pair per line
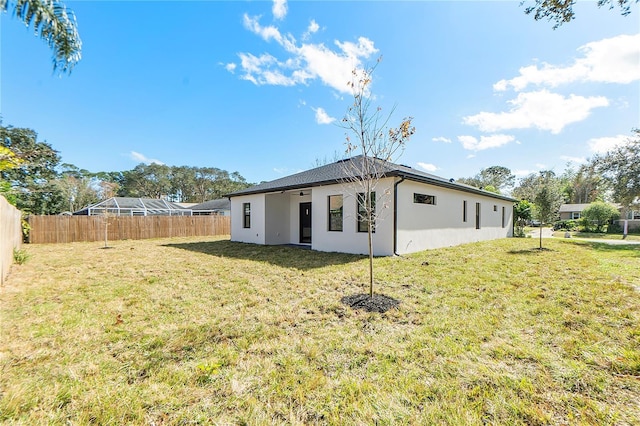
69, 229
10, 235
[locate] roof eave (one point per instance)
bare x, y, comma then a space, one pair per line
453, 185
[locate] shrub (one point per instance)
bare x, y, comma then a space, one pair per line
599, 214
614, 228
565, 225
20, 256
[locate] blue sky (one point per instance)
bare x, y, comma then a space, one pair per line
258, 87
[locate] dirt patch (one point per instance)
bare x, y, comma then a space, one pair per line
377, 303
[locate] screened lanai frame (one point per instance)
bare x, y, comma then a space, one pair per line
126, 206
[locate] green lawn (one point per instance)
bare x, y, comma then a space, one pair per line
600, 235
205, 331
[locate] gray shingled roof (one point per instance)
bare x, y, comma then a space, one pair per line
335, 173
567, 208
219, 204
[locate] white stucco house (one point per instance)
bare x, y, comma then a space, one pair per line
416, 211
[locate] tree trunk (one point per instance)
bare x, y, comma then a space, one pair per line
540, 235
370, 260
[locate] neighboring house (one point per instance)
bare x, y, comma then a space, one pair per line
128, 206
417, 211
221, 207
632, 220
572, 211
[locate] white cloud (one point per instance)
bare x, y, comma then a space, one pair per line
427, 167
311, 29
267, 33
471, 143
279, 9
304, 61
441, 139
606, 144
520, 173
611, 60
543, 110
541, 166
570, 159
141, 158
322, 117
470, 156
231, 67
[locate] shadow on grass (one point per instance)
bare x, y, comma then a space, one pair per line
284, 256
630, 249
532, 250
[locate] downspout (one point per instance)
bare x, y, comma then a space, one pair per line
395, 215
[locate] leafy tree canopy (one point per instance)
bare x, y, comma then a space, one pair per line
600, 214
561, 11
32, 179
55, 24
496, 179
621, 168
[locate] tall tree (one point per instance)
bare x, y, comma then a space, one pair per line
376, 144
547, 199
529, 185
55, 24
497, 179
183, 184
621, 168
522, 213
561, 11
582, 186
8, 161
78, 187
146, 181
32, 180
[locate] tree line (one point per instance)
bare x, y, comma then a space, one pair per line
33, 178
613, 177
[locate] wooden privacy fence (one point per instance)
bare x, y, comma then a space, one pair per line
10, 235
69, 229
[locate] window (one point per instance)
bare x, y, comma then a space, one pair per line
464, 210
477, 215
335, 212
504, 216
362, 212
246, 212
424, 199
575, 215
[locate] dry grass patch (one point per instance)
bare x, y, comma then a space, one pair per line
213, 332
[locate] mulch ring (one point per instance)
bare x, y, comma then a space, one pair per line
377, 303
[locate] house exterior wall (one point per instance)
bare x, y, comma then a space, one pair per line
570, 215
256, 233
633, 225
277, 218
427, 226
349, 240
